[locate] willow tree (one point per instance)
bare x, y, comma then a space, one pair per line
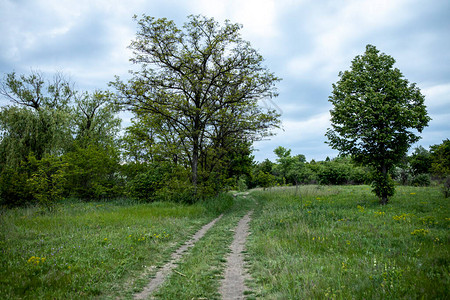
38, 121
376, 116
204, 82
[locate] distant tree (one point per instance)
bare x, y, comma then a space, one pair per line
420, 161
284, 161
34, 92
202, 83
266, 166
96, 118
440, 158
375, 115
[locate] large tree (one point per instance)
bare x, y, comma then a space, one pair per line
376, 116
202, 84
38, 121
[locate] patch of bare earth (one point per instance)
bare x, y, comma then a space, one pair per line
233, 285
162, 273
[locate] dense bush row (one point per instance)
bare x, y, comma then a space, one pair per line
419, 169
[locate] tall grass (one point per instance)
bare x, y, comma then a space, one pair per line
84, 250
338, 242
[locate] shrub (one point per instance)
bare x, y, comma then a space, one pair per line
47, 181
145, 185
421, 180
14, 190
334, 173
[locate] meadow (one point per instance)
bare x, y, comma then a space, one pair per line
313, 242
338, 242
89, 250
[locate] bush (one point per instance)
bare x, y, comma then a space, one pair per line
14, 190
421, 180
145, 185
93, 172
334, 173
162, 182
47, 181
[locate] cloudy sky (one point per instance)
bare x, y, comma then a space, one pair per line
305, 42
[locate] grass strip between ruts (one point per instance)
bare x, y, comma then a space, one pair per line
200, 271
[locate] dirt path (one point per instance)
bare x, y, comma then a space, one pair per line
175, 257
233, 285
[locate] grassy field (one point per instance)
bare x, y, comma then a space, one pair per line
88, 250
339, 243
317, 242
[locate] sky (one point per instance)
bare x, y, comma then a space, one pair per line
305, 42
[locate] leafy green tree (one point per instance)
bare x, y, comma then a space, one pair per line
284, 162
38, 122
96, 118
34, 92
440, 157
263, 179
202, 83
375, 115
420, 161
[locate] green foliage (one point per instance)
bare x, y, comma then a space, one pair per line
14, 188
49, 123
421, 180
383, 186
93, 172
420, 161
333, 172
33, 92
263, 179
40, 181
47, 181
161, 182
198, 91
375, 114
95, 118
242, 184
440, 157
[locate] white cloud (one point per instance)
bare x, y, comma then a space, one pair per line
336, 28
437, 96
259, 17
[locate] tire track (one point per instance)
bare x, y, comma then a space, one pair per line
233, 285
162, 273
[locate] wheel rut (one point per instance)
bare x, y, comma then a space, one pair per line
233, 284
162, 273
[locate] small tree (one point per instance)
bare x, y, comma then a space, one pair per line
375, 116
440, 158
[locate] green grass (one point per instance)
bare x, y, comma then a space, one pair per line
199, 273
339, 243
87, 250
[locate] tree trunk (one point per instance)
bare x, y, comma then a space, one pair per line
194, 164
384, 197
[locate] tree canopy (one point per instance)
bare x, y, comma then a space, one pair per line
376, 115
199, 85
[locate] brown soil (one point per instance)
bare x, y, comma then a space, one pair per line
233, 285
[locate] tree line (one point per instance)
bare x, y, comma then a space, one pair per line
421, 168
195, 100
196, 114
